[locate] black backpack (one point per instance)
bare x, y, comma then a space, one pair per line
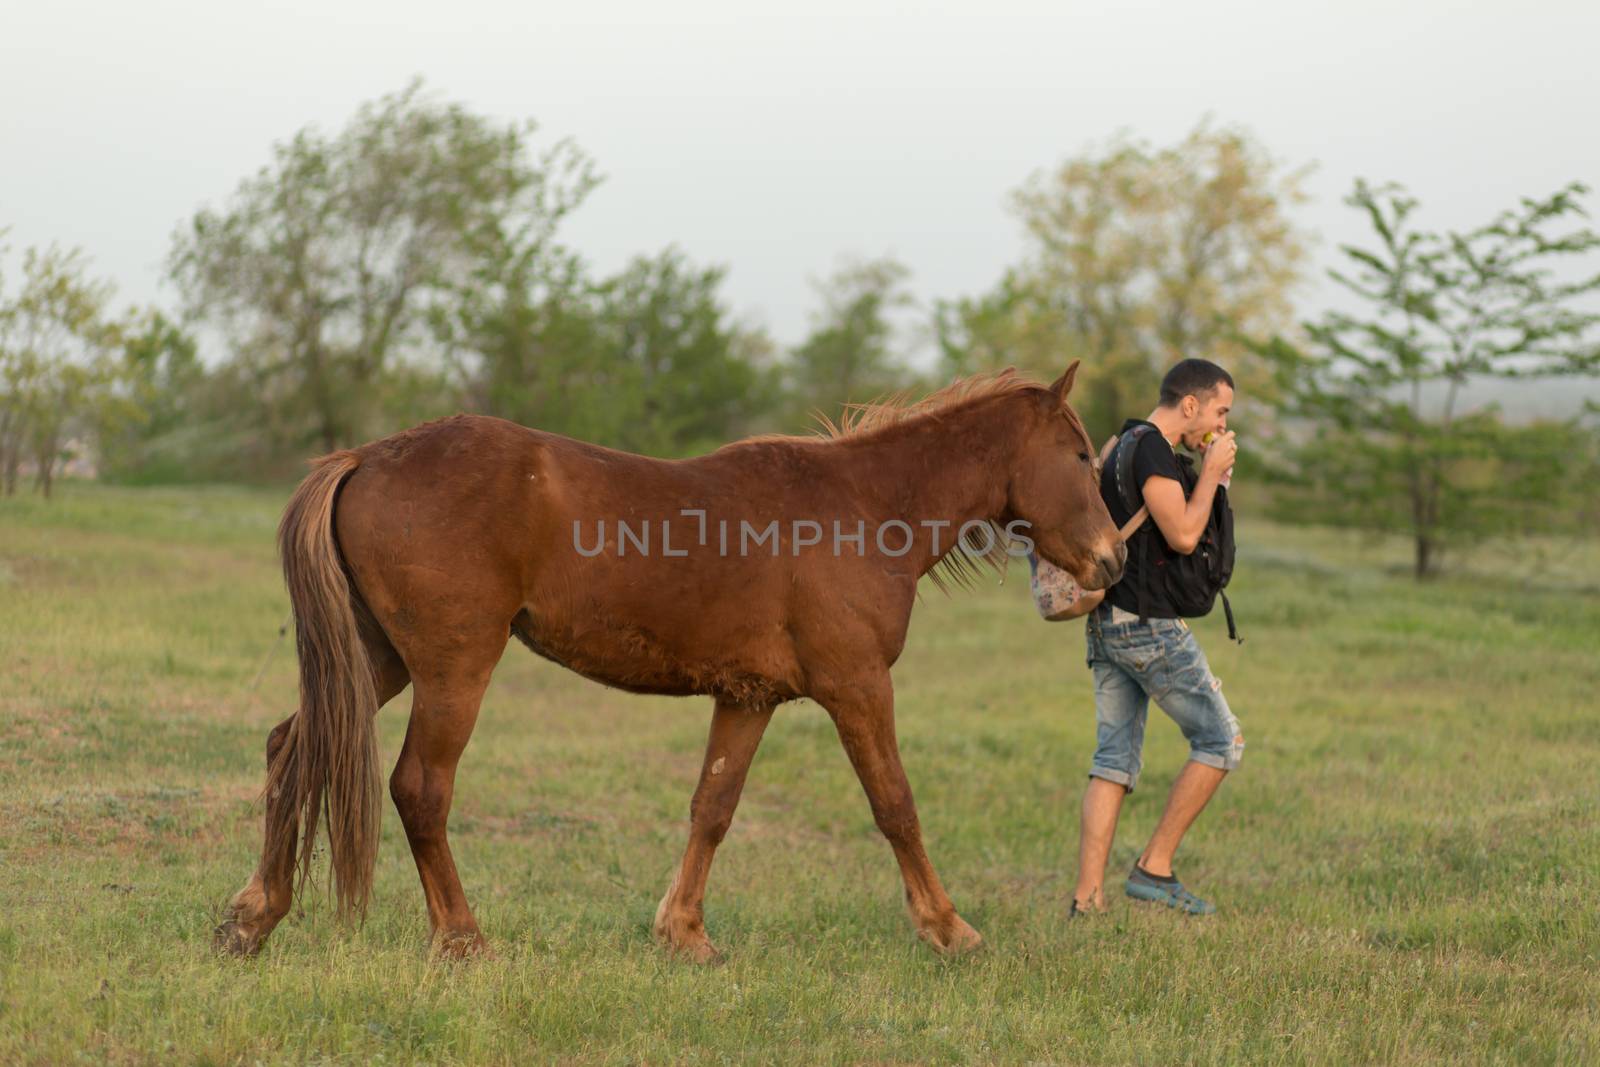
1191, 583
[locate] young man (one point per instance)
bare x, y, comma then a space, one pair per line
1136, 658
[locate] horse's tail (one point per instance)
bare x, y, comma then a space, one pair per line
328, 764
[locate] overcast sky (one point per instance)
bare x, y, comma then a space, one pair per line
775, 141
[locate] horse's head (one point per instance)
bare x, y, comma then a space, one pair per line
1055, 488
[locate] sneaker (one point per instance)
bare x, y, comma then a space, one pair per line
1144, 886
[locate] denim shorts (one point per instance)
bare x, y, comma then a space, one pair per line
1134, 661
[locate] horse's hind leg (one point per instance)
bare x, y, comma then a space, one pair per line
735, 733
265, 900
445, 699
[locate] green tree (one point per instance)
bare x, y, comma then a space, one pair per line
850, 355
649, 360
1137, 257
696, 376
169, 424
56, 374
1010, 325
339, 259
1382, 440
534, 353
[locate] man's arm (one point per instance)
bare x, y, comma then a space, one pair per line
1181, 521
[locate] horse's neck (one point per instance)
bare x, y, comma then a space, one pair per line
951, 468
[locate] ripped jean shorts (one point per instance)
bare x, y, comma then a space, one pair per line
1134, 661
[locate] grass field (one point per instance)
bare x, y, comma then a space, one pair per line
1407, 864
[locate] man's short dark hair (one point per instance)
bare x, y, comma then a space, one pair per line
1196, 377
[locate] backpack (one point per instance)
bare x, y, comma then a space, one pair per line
1191, 583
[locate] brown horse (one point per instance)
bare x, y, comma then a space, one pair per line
414, 558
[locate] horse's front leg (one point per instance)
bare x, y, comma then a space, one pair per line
680, 919
864, 717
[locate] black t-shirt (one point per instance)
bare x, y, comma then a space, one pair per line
1153, 458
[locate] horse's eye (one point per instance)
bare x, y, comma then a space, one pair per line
1084, 456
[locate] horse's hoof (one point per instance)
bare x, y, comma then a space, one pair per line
230, 939
953, 937
467, 945
687, 943
700, 952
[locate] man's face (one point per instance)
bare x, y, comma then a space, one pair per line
1206, 413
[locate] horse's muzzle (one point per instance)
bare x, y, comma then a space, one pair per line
1110, 567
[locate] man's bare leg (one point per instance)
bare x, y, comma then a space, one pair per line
1102, 803
1195, 786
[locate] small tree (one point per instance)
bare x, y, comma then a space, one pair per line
147, 429
850, 355
533, 353
1381, 391
55, 368
1012, 324
696, 377
648, 360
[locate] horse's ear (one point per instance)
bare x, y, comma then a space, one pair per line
1063, 385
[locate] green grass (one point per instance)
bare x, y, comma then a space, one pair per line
1407, 863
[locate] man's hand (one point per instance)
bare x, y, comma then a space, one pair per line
1220, 454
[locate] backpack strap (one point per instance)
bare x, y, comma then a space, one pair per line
1227, 609
1127, 446
1145, 577
1133, 502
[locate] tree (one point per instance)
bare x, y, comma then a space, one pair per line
54, 365
648, 360
697, 378
330, 265
1137, 257
850, 355
535, 356
159, 429
1011, 325
1381, 390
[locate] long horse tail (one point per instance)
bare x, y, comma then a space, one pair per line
328, 764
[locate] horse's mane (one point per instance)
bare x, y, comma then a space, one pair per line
965, 563
857, 420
